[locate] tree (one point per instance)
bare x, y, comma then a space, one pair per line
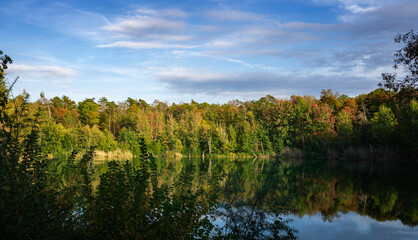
330, 98
89, 112
4, 60
51, 137
406, 57
31, 204
384, 124
46, 103
344, 126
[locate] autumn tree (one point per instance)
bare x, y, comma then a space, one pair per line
330, 98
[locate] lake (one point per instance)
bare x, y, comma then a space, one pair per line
324, 199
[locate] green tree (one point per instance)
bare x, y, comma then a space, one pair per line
384, 123
408, 126
344, 127
244, 138
51, 137
130, 139
107, 142
89, 112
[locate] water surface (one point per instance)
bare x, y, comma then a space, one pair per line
325, 199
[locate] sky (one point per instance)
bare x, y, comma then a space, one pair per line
212, 51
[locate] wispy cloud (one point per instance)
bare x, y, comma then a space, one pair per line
55, 73
169, 13
150, 28
142, 26
144, 45
234, 15
166, 28
322, 62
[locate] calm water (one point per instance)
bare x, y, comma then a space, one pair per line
351, 226
325, 200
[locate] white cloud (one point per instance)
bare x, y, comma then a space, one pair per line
162, 24
353, 8
357, 9
54, 73
144, 45
218, 43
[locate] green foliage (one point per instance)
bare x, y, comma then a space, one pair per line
344, 124
408, 124
29, 206
384, 123
344, 127
52, 138
265, 126
107, 142
89, 112
244, 138
131, 140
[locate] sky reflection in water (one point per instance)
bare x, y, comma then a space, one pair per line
351, 226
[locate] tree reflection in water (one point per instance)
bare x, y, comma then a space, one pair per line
259, 216
383, 191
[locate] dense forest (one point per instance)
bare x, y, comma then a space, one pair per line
381, 123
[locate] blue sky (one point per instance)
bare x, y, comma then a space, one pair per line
211, 51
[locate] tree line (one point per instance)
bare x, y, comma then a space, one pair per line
380, 122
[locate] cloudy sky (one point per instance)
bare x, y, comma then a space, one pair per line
211, 51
